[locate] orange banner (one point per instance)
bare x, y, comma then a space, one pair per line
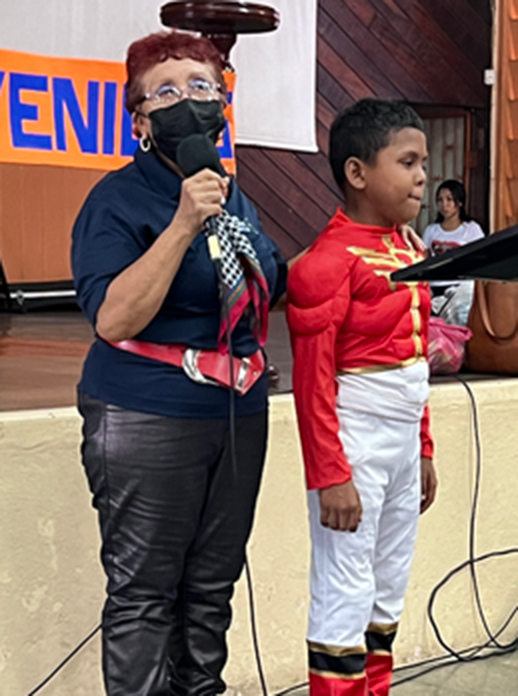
69, 112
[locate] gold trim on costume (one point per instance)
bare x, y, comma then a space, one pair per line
336, 650
382, 368
414, 292
393, 258
418, 342
336, 675
383, 629
416, 319
387, 262
386, 274
383, 653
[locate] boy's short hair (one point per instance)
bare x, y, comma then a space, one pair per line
364, 128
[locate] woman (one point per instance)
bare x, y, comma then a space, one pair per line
453, 227
175, 511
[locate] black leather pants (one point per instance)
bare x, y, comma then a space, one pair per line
174, 520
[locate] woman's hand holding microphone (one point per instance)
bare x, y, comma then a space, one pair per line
203, 196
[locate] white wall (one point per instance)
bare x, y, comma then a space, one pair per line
275, 92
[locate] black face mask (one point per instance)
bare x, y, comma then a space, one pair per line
188, 117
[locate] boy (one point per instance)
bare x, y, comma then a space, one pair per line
360, 381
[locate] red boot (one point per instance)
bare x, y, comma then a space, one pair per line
336, 670
379, 674
329, 686
379, 639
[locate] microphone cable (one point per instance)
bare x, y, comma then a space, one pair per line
194, 153
215, 255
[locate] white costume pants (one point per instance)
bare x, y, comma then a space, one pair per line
359, 579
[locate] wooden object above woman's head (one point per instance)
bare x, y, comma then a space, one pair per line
220, 21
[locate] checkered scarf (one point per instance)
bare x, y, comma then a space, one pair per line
243, 276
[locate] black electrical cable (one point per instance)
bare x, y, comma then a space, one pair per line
292, 689
472, 525
472, 653
459, 655
448, 661
465, 655
65, 661
473, 559
253, 625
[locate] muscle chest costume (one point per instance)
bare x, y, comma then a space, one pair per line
360, 382
343, 307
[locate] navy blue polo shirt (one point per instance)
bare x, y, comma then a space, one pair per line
124, 213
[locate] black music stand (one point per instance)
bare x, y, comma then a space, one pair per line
493, 258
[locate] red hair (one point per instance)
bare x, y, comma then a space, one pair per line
157, 48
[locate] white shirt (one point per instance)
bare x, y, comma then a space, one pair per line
439, 240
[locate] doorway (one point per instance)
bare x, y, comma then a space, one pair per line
457, 149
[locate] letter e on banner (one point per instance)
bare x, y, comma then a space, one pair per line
70, 113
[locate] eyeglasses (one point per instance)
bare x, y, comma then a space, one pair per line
198, 89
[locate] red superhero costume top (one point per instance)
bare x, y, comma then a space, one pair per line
346, 316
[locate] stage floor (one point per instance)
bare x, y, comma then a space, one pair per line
42, 352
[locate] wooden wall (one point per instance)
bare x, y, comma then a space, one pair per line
38, 205
429, 52
506, 150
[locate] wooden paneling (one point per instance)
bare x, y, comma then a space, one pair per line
426, 52
447, 139
38, 205
422, 51
506, 169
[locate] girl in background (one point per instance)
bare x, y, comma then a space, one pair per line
453, 227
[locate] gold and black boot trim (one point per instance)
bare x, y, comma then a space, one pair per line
379, 638
335, 662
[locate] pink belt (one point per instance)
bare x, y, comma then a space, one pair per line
203, 366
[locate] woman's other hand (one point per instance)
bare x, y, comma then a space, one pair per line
412, 239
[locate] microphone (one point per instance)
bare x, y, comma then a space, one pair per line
197, 152
194, 153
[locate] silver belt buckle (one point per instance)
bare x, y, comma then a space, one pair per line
191, 369
243, 371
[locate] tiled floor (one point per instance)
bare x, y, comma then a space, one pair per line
496, 676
